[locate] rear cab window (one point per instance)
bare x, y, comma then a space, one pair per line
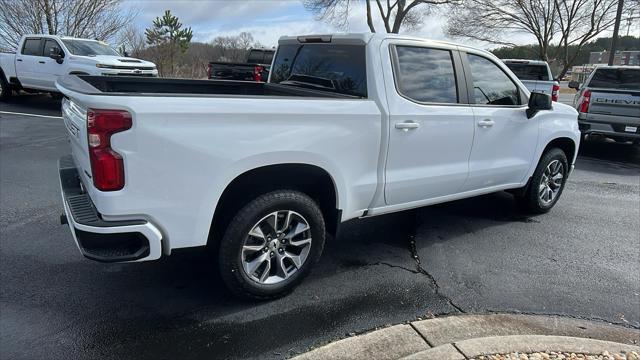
425, 75
329, 67
32, 47
260, 56
529, 71
619, 78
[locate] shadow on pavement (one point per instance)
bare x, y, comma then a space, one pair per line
607, 156
38, 104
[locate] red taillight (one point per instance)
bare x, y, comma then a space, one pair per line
208, 71
554, 92
107, 167
257, 73
584, 101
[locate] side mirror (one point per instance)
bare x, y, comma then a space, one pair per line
574, 85
125, 54
55, 55
537, 102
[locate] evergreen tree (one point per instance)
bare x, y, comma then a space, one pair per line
168, 36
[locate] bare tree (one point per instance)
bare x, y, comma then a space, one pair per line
96, 19
132, 40
495, 21
396, 15
557, 25
234, 48
578, 22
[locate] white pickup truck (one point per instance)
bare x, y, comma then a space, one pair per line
347, 126
41, 59
535, 75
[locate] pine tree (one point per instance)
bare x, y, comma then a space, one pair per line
170, 38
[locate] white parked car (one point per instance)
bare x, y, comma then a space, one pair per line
347, 126
535, 75
41, 59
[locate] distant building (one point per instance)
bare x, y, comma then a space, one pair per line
631, 57
581, 72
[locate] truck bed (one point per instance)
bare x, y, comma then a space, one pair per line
124, 85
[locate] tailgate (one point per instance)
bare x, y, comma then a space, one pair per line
615, 102
75, 120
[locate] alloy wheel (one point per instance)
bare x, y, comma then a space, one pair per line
276, 247
551, 182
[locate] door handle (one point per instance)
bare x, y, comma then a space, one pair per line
19, 60
407, 125
41, 62
486, 123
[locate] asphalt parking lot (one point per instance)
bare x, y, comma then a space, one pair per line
478, 255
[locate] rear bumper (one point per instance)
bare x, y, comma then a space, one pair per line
100, 240
610, 126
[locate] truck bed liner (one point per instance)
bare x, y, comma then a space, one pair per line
138, 86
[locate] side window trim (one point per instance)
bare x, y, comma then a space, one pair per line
469, 81
24, 45
461, 86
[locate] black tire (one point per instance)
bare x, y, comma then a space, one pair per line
5, 91
230, 251
583, 138
531, 200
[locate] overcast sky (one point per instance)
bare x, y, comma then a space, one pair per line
267, 20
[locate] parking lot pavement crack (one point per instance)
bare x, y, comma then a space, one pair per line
394, 266
421, 270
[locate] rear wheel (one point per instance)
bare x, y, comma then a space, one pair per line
5, 88
271, 245
547, 182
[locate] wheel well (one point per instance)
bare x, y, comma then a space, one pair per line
565, 144
309, 179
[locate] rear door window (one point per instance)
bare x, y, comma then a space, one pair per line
530, 71
620, 78
329, 67
426, 75
32, 47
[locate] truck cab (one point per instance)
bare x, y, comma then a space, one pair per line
40, 59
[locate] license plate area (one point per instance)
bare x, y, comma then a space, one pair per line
631, 129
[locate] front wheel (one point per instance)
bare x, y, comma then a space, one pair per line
271, 245
547, 182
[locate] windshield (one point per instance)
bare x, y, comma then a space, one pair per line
89, 48
336, 68
616, 79
529, 72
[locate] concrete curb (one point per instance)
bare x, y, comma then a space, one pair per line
466, 336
